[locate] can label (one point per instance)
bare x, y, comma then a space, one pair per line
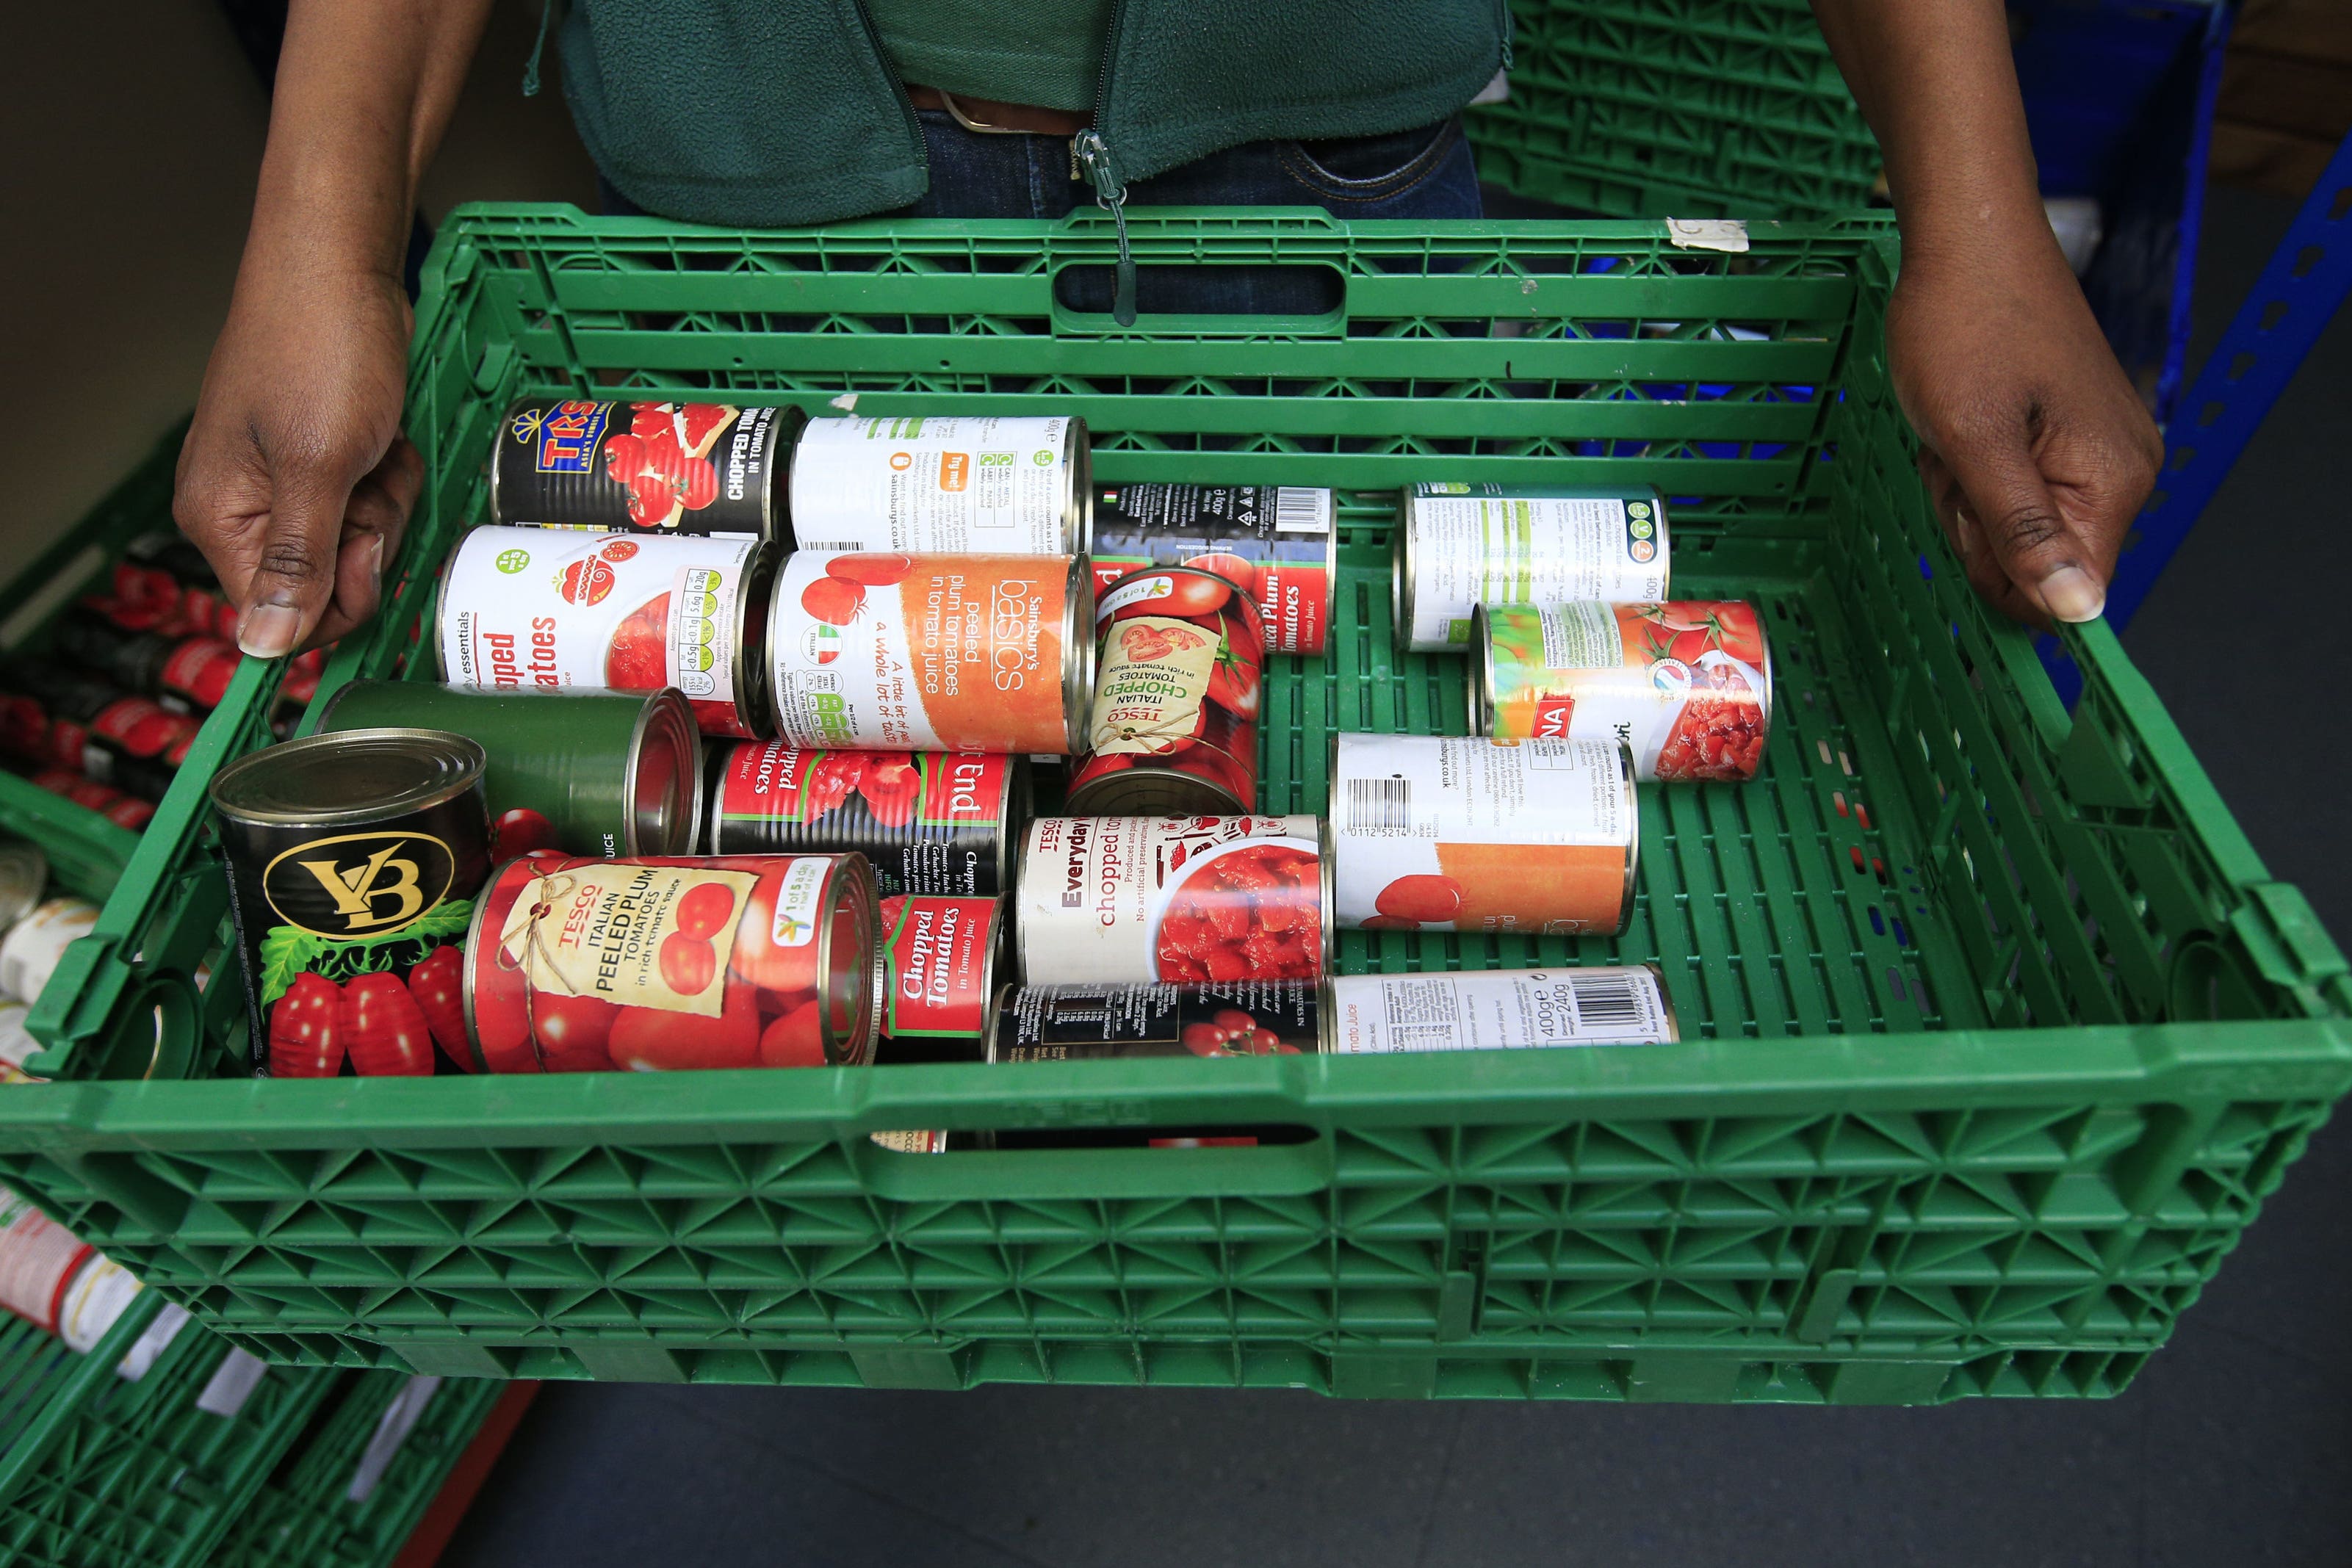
1085, 1022
1135, 899
1496, 1009
528, 609
1178, 687
1274, 542
1480, 836
650, 467
199, 670
35, 945
931, 822
923, 653
38, 1259
1495, 544
642, 936
956, 485
94, 1301
1681, 683
940, 957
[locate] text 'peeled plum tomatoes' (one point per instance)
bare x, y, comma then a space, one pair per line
1178, 685
660, 964
653, 467
551, 608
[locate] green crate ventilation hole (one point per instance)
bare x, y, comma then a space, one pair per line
1702, 1231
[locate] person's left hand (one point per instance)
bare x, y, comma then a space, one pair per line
2035, 450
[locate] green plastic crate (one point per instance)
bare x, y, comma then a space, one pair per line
1998, 1031
304, 1518
1687, 108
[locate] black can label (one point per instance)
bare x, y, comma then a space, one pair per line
932, 822
642, 467
1238, 1017
1274, 542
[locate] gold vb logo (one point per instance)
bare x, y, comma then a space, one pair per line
360, 884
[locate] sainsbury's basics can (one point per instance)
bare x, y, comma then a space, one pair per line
651, 467
1461, 546
930, 484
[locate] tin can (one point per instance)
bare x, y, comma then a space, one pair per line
1460, 546
354, 861
933, 822
1542, 837
123, 811
162, 583
1278, 543
540, 610
1688, 686
1094, 1022
587, 772
1181, 666
709, 468
1129, 900
914, 1140
941, 958
1496, 1009
50, 714
921, 484
659, 964
23, 873
38, 1261
185, 674
932, 652
35, 945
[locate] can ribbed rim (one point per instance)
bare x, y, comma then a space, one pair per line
1078, 663
1078, 498
1480, 671
1330, 577
1107, 796
498, 452
666, 715
754, 616
470, 954
850, 876
996, 1006
457, 764
1020, 923
784, 440
1666, 1000
1008, 823
1326, 849
1404, 581
1764, 640
1632, 837
1326, 1009
441, 607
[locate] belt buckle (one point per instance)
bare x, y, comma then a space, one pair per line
969, 123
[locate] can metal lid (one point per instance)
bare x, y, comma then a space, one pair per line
665, 780
355, 776
1153, 792
24, 872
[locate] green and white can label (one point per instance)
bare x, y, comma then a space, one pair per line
959, 485
1466, 544
1496, 1009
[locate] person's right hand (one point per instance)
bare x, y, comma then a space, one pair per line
294, 480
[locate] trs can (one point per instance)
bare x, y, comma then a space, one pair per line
932, 652
36, 944
1135, 899
1093, 1022
1496, 1009
657, 964
1461, 546
653, 467
587, 772
1178, 685
941, 959
1276, 543
1542, 837
933, 822
540, 609
1688, 686
922, 484
353, 864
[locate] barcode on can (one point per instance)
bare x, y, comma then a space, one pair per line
1379, 807
1300, 510
1605, 1000
830, 547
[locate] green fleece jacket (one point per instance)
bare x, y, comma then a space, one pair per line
751, 113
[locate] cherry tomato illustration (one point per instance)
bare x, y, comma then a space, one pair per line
573, 1032
1204, 1040
624, 456
437, 984
704, 911
305, 1030
874, 569
688, 963
835, 600
794, 1040
385, 1029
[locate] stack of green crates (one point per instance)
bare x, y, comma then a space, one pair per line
1996, 1030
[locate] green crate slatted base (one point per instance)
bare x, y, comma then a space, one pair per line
1998, 1032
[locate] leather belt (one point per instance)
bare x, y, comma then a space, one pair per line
989, 117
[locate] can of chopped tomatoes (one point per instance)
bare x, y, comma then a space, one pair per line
50, 714
354, 861
937, 823
657, 964
185, 674
123, 811
38, 1260
1096, 1022
1278, 544
932, 652
1181, 666
1538, 838
924, 485
651, 467
941, 959
36, 944
1133, 899
1687, 684
1496, 1009
531, 609
1461, 546
587, 772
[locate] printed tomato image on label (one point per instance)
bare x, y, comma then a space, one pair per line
924, 653
1461, 546
1276, 544
932, 822
655, 467
928, 485
941, 959
1177, 694
1687, 685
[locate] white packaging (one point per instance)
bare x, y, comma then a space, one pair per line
1496, 1009
38, 1259
959, 484
29, 953
1490, 544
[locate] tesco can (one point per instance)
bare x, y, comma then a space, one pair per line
923, 484
1099, 1023
653, 467
1687, 685
1179, 682
544, 609
1278, 543
1461, 546
1496, 1009
656, 964
1133, 899
938, 823
1538, 838
932, 652
940, 963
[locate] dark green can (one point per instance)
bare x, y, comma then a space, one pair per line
588, 772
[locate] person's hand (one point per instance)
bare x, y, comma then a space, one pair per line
2034, 449
294, 480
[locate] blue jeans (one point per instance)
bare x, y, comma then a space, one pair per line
1420, 173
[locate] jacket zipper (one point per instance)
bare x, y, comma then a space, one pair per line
1094, 155
898, 88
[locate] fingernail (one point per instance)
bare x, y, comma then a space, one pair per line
267, 631
376, 558
2070, 593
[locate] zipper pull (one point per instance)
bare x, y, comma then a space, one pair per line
1110, 195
